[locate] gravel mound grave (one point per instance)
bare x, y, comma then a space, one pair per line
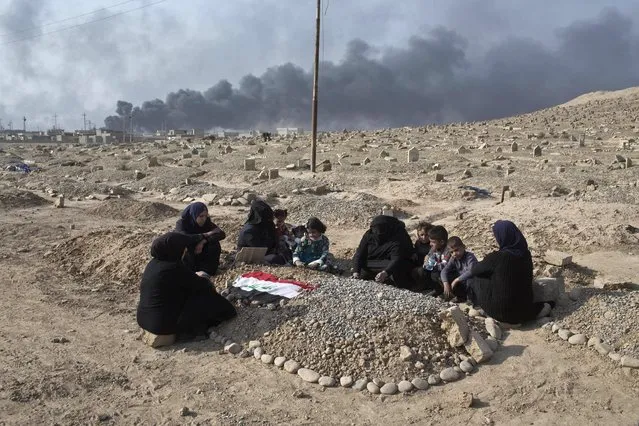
125, 209
14, 199
350, 327
609, 315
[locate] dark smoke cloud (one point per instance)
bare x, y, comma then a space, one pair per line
431, 80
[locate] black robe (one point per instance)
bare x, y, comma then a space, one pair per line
259, 231
173, 299
503, 287
386, 246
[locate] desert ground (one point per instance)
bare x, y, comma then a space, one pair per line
71, 353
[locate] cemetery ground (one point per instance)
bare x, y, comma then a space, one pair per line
70, 352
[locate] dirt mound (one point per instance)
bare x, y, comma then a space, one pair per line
109, 257
125, 209
14, 199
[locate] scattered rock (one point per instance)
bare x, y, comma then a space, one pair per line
373, 388
564, 334
456, 327
307, 375
433, 380
279, 361
466, 400
492, 328
389, 389
477, 347
629, 362
346, 381
291, 366
360, 385
406, 386
557, 258
578, 339
466, 366
267, 359
420, 383
327, 382
406, 354
449, 375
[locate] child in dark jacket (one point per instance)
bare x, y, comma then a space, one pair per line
456, 274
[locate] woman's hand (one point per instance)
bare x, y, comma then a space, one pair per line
381, 277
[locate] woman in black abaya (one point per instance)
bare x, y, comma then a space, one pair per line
175, 300
385, 253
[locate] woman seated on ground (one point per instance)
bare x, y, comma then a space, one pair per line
173, 299
503, 280
195, 220
259, 231
385, 253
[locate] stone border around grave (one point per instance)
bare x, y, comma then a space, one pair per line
454, 324
595, 342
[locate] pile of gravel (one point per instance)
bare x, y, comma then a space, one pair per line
355, 328
334, 209
609, 315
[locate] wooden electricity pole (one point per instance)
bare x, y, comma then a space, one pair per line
315, 84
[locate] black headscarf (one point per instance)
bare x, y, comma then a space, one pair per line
261, 213
188, 219
170, 247
387, 228
510, 238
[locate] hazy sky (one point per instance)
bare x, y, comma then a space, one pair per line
193, 44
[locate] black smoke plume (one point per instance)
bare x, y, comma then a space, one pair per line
431, 80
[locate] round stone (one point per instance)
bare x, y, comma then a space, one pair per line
291, 366
378, 382
578, 339
233, 348
405, 386
420, 383
449, 375
555, 328
564, 334
372, 388
389, 389
308, 375
492, 328
575, 293
267, 359
254, 344
434, 379
466, 366
346, 381
258, 352
360, 385
327, 382
279, 361
614, 356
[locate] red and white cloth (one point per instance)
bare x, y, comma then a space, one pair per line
263, 282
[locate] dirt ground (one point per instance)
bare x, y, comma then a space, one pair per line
70, 354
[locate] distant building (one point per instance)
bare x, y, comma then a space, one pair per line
289, 131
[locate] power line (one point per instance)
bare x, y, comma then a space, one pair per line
48, 24
82, 24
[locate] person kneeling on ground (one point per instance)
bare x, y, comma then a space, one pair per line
503, 279
385, 251
195, 220
173, 299
456, 274
259, 231
312, 251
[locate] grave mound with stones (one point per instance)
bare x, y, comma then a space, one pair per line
361, 334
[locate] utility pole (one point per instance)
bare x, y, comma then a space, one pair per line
55, 121
315, 84
131, 125
123, 129
24, 124
84, 117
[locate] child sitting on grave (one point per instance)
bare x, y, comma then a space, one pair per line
436, 260
422, 244
456, 274
312, 251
